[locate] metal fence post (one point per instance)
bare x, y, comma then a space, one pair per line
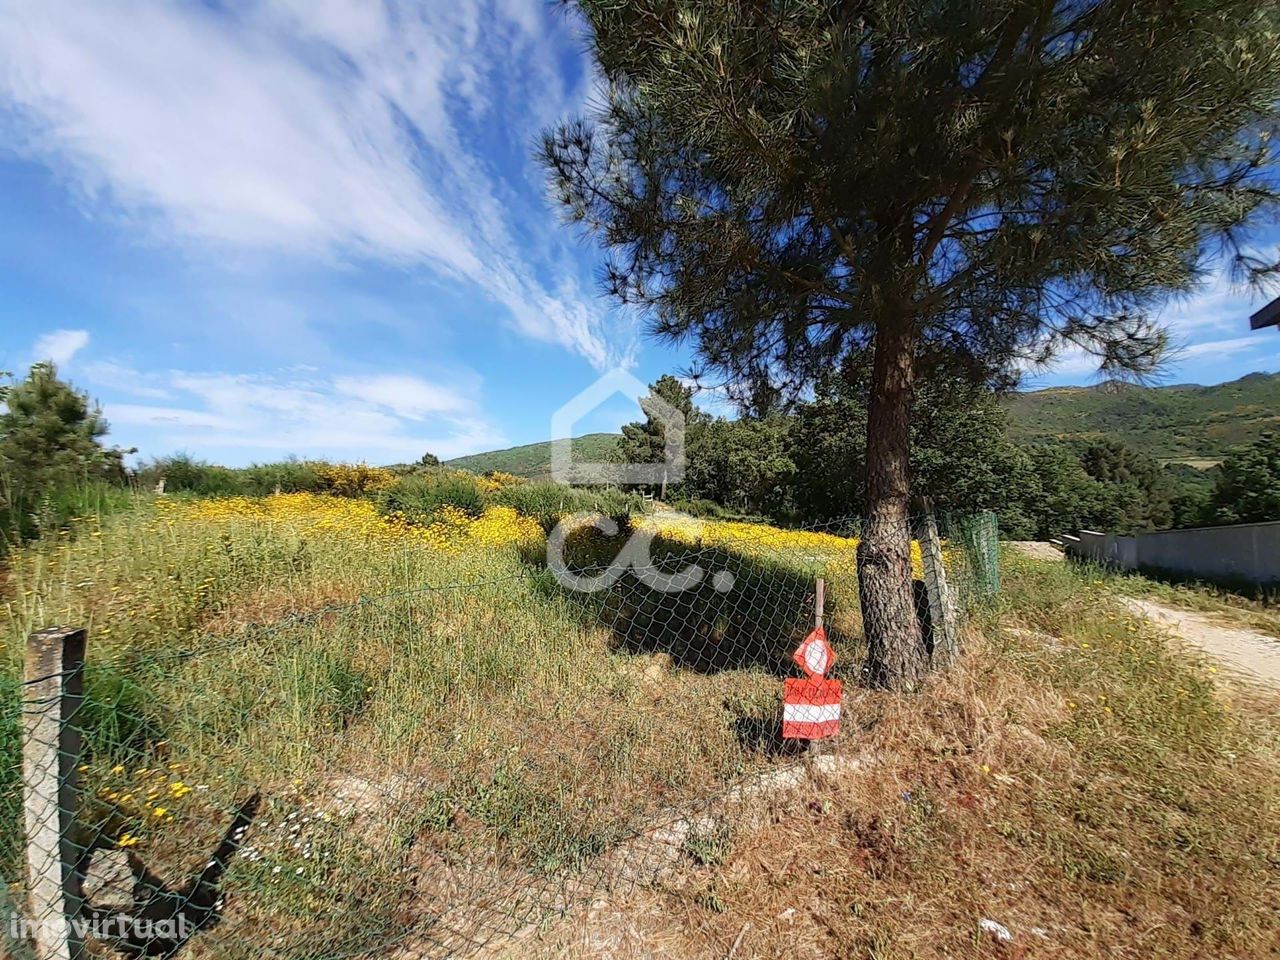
53, 693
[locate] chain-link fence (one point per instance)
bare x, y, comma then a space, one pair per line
432, 768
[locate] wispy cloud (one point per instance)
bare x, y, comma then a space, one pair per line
60, 346
1221, 349
333, 129
382, 418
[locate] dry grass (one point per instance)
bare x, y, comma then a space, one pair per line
1076, 782
445, 767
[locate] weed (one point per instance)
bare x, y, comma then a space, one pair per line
709, 844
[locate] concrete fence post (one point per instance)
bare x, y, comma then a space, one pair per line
942, 610
53, 693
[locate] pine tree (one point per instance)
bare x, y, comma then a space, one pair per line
645, 441
49, 436
965, 186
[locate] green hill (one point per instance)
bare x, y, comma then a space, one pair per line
533, 460
1186, 422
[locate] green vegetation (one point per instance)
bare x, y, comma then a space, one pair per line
533, 460
1184, 422
547, 501
921, 191
806, 461
1171, 424
52, 461
498, 715
419, 496
1248, 487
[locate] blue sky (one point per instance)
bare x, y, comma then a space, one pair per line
315, 227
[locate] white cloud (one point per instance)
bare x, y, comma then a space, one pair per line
108, 373
1220, 349
341, 129
60, 346
381, 418
405, 396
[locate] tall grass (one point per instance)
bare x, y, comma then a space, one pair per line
235, 655
548, 502
10, 769
29, 517
1077, 779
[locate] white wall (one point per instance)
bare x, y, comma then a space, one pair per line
1246, 551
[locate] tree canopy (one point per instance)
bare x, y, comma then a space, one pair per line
50, 436
1248, 488
960, 188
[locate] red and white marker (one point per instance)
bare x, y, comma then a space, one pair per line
814, 655
811, 706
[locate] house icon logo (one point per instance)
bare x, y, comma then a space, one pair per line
617, 382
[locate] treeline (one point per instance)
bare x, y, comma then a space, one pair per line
800, 464
805, 463
54, 466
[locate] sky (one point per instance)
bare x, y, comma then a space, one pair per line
316, 227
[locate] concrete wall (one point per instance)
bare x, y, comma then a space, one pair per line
1246, 551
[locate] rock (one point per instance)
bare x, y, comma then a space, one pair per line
108, 882
997, 930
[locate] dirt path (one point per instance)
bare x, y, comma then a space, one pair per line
1254, 655
1035, 549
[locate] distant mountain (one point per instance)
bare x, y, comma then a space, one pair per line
533, 460
1186, 422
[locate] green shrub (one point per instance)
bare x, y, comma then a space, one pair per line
547, 501
184, 474
25, 518
417, 497
287, 476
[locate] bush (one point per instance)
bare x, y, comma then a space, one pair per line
417, 497
492, 481
354, 479
184, 474
287, 476
547, 501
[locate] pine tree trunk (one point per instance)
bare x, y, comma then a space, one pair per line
896, 657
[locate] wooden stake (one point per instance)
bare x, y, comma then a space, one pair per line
819, 602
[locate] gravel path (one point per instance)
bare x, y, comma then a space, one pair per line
1035, 549
1254, 655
